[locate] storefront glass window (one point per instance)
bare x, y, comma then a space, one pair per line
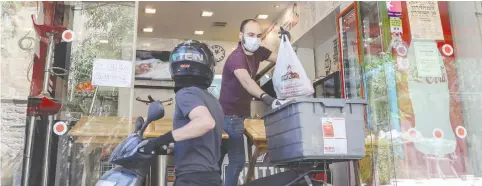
103, 30
420, 111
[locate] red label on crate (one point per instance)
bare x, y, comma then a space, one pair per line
334, 135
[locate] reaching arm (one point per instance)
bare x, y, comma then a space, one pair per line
248, 83
201, 123
272, 58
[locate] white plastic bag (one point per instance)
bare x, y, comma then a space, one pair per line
289, 77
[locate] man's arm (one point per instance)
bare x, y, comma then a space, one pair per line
272, 58
248, 83
201, 123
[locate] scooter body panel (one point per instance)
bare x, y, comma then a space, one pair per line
120, 177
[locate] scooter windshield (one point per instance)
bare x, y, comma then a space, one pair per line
126, 152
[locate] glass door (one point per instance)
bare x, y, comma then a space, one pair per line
350, 54
383, 142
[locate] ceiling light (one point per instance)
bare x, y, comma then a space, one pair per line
150, 11
207, 14
103, 41
199, 32
261, 16
276, 6
147, 29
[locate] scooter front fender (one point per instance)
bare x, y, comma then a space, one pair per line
120, 177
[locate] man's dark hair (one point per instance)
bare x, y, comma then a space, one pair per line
241, 28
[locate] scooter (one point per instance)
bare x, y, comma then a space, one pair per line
132, 166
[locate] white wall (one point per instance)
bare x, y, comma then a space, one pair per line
14, 85
321, 53
467, 36
307, 59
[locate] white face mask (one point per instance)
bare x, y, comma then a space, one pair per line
251, 43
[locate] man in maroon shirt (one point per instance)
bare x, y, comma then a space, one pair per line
237, 90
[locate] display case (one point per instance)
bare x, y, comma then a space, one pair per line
329, 86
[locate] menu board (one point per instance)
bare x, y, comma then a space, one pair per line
424, 18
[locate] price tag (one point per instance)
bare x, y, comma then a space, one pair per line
112, 73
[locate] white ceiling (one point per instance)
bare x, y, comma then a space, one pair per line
320, 33
179, 20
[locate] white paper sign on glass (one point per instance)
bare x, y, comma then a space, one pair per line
112, 73
428, 59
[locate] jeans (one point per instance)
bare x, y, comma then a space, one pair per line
234, 126
199, 179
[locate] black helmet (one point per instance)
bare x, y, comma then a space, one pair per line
192, 64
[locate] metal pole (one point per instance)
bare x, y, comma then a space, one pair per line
48, 63
46, 162
93, 100
27, 161
158, 171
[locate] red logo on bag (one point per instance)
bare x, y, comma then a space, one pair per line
290, 75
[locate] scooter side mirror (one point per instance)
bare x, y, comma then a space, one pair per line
155, 111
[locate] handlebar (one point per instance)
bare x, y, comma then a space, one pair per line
150, 100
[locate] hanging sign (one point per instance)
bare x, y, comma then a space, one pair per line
424, 18
112, 73
394, 8
396, 25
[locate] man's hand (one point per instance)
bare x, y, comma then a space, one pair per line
284, 32
278, 102
267, 99
150, 146
274, 103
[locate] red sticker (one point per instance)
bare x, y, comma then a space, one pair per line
68, 36
447, 50
412, 134
401, 50
461, 132
438, 133
60, 128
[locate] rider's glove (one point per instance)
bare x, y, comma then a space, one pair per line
284, 32
154, 144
